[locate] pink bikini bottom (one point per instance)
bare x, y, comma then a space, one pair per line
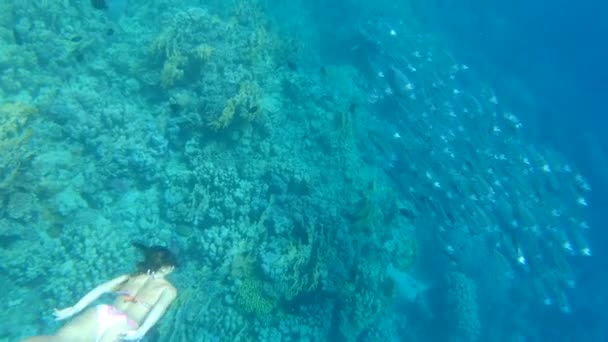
108, 316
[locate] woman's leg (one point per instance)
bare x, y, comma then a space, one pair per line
81, 328
115, 331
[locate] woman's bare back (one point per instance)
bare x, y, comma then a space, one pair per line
139, 294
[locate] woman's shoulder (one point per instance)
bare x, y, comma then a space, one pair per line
169, 288
165, 291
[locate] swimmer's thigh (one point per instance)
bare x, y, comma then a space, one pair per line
113, 333
81, 328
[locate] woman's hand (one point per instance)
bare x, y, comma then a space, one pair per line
132, 335
64, 313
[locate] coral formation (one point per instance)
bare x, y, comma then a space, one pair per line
14, 135
173, 71
252, 300
289, 187
462, 303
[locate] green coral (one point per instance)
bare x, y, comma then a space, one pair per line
303, 264
364, 300
245, 103
14, 135
14, 117
173, 70
252, 299
204, 52
302, 274
181, 46
224, 119
463, 306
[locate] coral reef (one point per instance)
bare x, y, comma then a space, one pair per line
14, 136
302, 197
365, 300
462, 303
252, 299
198, 62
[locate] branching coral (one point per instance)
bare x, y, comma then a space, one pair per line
305, 262
180, 45
204, 52
252, 299
173, 70
462, 303
245, 104
365, 299
224, 120
14, 118
182, 31
301, 275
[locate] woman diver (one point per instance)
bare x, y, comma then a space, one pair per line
142, 299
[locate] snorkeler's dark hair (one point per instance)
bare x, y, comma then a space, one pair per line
155, 257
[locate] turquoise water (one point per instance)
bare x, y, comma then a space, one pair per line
348, 171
